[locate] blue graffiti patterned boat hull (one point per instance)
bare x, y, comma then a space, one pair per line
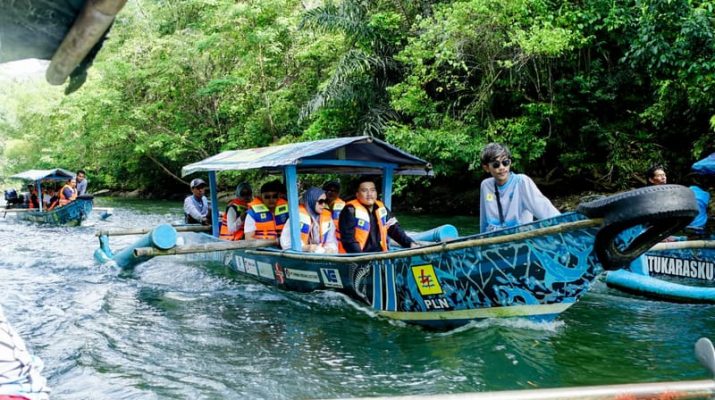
677, 271
535, 271
71, 214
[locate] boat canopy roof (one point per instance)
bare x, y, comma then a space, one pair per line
350, 155
706, 166
57, 174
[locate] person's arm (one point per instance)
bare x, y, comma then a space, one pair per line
285, 236
538, 204
347, 223
249, 227
482, 209
396, 233
233, 222
331, 242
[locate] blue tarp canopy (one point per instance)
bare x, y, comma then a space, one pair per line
706, 166
57, 174
351, 155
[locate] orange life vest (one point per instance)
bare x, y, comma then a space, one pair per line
280, 215
362, 228
334, 213
240, 206
306, 225
265, 223
64, 200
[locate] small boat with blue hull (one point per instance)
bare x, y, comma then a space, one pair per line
682, 270
71, 214
535, 270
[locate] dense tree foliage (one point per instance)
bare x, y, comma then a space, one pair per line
588, 94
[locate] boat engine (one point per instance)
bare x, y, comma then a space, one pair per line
12, 199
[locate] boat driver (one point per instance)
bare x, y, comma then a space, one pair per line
196, 206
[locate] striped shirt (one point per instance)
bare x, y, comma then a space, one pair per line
19, 370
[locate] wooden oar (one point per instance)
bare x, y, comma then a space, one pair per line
141, 231
204, 248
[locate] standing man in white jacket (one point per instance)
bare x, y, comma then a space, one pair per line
508, 199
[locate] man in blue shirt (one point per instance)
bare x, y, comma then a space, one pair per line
508, 199
196, 206
81, 183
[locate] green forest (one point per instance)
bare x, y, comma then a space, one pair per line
588, 94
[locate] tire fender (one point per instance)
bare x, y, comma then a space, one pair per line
662, 210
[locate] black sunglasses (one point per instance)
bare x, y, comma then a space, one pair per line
322, 201
495, 164
269, 196
245, 194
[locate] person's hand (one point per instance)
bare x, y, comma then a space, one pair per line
414, 245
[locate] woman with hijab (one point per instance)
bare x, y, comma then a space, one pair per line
317, 230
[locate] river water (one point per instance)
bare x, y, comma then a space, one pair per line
175, 330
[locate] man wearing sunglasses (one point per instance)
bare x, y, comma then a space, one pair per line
508, 199
365, 223
266, 214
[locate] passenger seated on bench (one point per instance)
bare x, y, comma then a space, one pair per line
233, 219
68, 193
34, 202
54, 199
266, 215
317, 230
365, 223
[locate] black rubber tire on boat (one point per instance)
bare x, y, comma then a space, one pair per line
662, 210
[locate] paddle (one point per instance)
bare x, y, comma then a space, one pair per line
705, 353
204, 247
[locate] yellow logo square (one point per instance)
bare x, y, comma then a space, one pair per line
426, 280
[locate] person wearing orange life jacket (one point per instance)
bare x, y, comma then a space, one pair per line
280, 214
266, 215
365, 223
69, 192
34, 201
334, 204
235, 215
317, 230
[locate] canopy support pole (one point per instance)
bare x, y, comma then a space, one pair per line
291, 177
38, 189
387, 175
214, 203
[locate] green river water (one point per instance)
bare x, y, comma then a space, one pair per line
171, 330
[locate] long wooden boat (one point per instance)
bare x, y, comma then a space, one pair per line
536, 270
71, 214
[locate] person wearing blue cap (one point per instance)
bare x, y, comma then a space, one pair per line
196, 206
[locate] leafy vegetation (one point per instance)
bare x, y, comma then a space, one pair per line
587, 94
